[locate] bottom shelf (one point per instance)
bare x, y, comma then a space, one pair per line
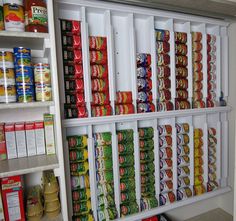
162, 209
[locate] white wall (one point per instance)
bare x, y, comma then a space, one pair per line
224, 201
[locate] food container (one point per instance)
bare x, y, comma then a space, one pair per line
6, 59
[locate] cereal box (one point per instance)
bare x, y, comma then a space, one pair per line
39, 137
10, 140
20, 139
30, 138
49, 133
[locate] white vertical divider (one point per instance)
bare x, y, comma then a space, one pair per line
92, 171
172, 61
205, 151
86, 60
133, 65
156, 158
116, 172
174, 157
218, 150
111, 61
191, 152
224, 60
154, 59
137, 163
218, 62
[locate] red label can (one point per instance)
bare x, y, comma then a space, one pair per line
196, 36
163, 71
181, 61
124, 97
181, 72
181, 49
182, 83
98, 111
182, 104
124, 109
181, 37
182, 94
98, 57
99, 71
196, 46
97, 43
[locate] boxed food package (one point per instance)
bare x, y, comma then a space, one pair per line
30, 138
49, 134
1, 209
10, 140
12, 195
39, 137
3, 150
20, 139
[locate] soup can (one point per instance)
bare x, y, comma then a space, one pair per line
42, 73
43, 92
24, 75
6, 59
25, 93
7, 76
22, 56
7, 93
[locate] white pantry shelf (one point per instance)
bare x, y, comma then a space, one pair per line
75, 122
27, 165
26, 105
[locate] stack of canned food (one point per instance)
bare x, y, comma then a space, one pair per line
124, 102
163, 70
183, 161
105, 181
144, 83
99, 76
211, 70
167, 194
127, 173
181, 63
73, 69
212, 177
146, 146
199, 187
79, 170
197, 70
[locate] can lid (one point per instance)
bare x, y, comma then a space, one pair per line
17, 2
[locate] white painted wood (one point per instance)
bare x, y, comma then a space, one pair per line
26, 105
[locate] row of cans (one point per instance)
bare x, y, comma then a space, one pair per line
124, 102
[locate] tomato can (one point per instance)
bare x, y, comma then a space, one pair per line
182, 83
145, 107
167, 198
181, 94
181, 61
98, 57
124, 109
127, 196
71, 26
211, 39
182, 104
74, 71
183, 150
99, 85
212, 185
166, 186
197, 86
77, 142
75, 98
97, 43
144, 97
181, 72
182, 139
165, 141
14, 16
166, 164
71, 41
77, 85
164, 130
104, 110
197, 76
162, 35
163, 47
198, 104
100, 98
6, 59
211, 95
124, 97
163, 71
7, 93
181, 49
164, 83
183, 181
199, 189
164, 95
72, 111
78, 155
146, 168
165, 106
163, 59
181, 37
99, 71
166, 175
144, 84
197, 56
74, 56
143, 59
144, 72
196, 46
197, 67
196, 36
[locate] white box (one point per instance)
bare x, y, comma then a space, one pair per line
10, 140
20, 139
49, 134
39, 137
30, 138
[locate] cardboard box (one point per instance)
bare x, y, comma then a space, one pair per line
49, 134
3, 150
20, 139
1, 209
39, 137
10, 140
12, 195
30, 138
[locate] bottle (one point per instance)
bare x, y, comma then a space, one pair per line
36, 18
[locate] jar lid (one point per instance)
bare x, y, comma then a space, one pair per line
17, 2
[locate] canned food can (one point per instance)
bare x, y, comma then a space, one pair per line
74, 85
197, 67
148, 203
211, 48
211, 95
103, 164
99, 71
165, 141
7, 93
181, 61
167, 198
164, 83
181, 94
181, 49
42, 74
129, 209
70, 26
79, 168
124, 109
146, 144
165, 106
196, 46
100, 98
6, 59
127, 185
184, 193
106, 202
125, 161
212, 151
97, 43
107, 213
198, 170
127, 148
78, 155
198, 161
164, 95
183, 181
77, 142
197, 76
198, 153
105, 189
182, 83
166, 186
103, 151
102, 139
211, 68
198, 132
105, 176
197, 56
74, 71
143, 59
166, 175
144, 97
71, 56
98, 57
183, 161
144, 72
183, 150
163, 47
144, 84
198, 143
166, 164
125, 136
163, 59
211, 86
162, 35
199, 189
71, 111
148, 190
147, 168
104, 110
211, 131
124, 97
25, 93
7, 76
211, 39
24, 75
127, 172
22, 56
147, 179
197, 86
80, 182
99, 85
183, 171
198, 180
81, 207
182, 128
71, 41
146, 156
182, 139
146, 133
212, 141
128, 196
165, 153
181, 72
163, 71
181, 37
211, 58
164, 130
198, 104
196, 36
212, 177
145, 107
211, 103
211, 159
43, 92
81, 195
212, 185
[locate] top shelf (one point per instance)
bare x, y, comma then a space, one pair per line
10, 39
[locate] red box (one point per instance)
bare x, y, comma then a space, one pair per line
12, 195
3, 149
